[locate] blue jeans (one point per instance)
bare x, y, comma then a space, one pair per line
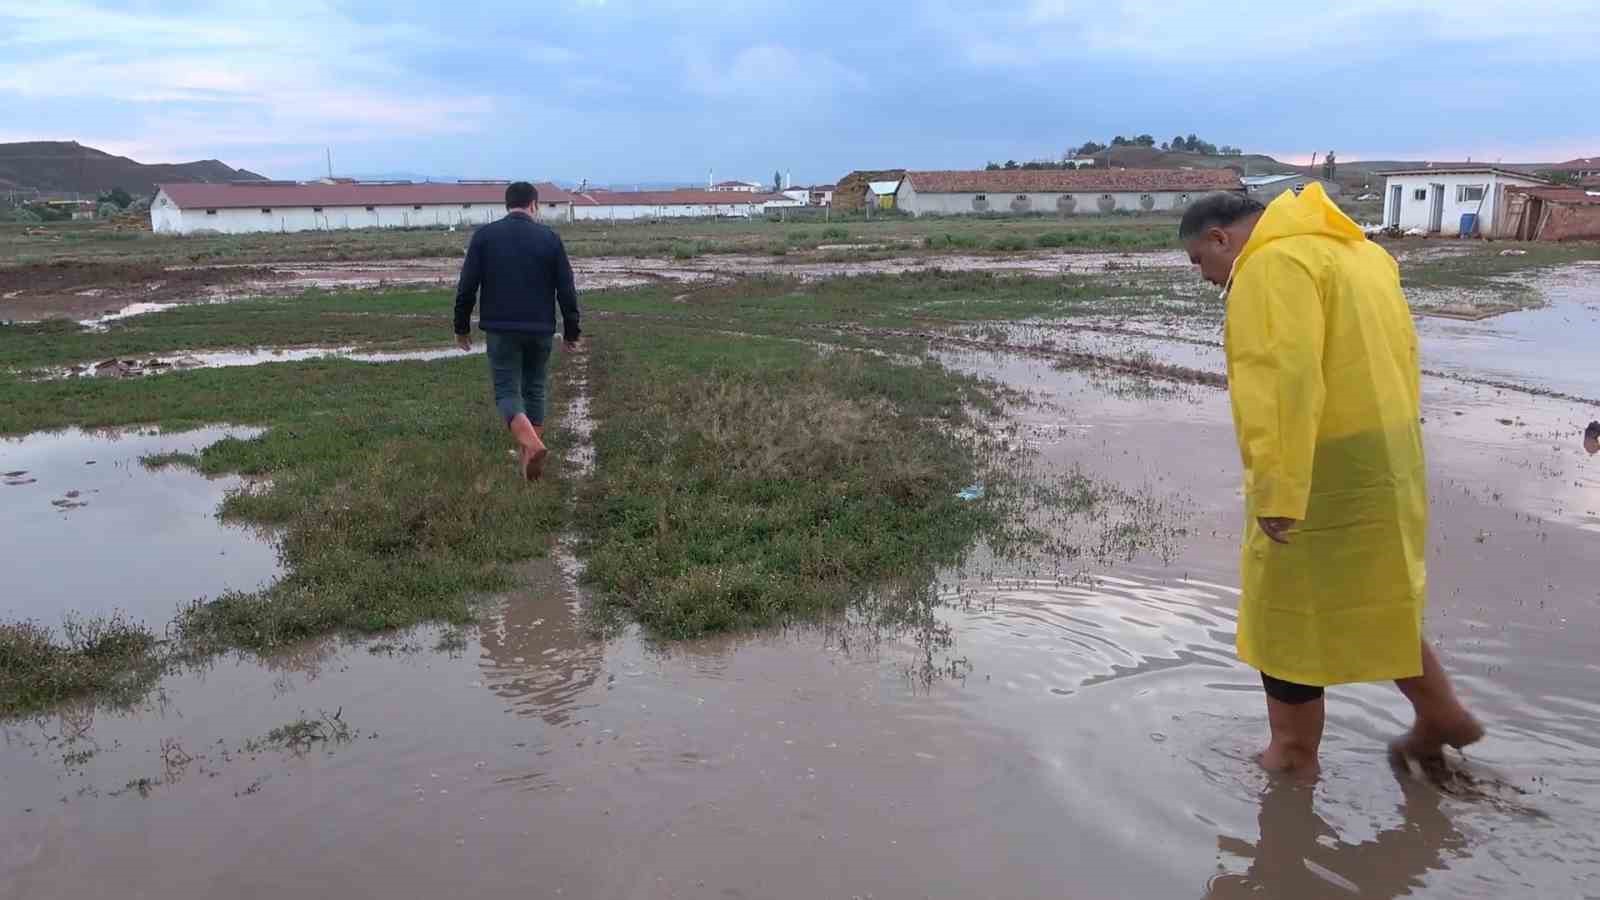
519, 364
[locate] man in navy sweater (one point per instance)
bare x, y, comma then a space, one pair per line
517, 272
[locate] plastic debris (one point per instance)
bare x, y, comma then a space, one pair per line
971, 492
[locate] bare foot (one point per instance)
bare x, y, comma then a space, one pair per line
1280, 758
1426, 741
533, 459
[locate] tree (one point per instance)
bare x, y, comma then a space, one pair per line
1011, 164
777, 181
1145, 140
118, 196
1119, 141
107, 210
1330, 167
1178, 143
1165, 145
1090, 148
992, 167
1191, 143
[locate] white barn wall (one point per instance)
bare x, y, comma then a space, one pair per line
1414, 213
1088, 204
166, 218
621, 212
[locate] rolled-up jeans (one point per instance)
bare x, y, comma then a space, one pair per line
519, 363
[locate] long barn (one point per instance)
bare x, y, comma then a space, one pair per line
1058, 192
246, 207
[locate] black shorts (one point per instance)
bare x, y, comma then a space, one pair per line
1289, 692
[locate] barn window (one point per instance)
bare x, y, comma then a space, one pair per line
1420, 194
466, 206
1469, 193
266, 209
981, 197
316, 209
372, 209
417, 207
211, 212
1143, 197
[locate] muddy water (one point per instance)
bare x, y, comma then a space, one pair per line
1087, 733
226, 359
88, 528
1553, 347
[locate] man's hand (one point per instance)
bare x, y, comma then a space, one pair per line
464, 341
1276, 529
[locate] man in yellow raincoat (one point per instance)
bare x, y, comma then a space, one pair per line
1325, 385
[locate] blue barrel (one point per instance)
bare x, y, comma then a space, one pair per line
1469, 224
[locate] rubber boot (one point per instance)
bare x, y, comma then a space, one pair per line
534, 452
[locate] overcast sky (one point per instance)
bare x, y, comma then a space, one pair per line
620, 90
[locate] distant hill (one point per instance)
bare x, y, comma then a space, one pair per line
57, 168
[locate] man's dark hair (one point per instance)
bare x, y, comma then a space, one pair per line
1216, 211
521, 195
1593, 431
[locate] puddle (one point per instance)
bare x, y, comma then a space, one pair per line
87, 528
1552, 347
224, 359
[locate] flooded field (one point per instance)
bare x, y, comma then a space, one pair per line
130, 291
90, 529
1070, 723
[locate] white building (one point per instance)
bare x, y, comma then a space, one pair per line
821, 194
739, 187
1434, 200
284, 206
1058, 191
680, 204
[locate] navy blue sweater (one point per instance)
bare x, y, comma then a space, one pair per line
518, 270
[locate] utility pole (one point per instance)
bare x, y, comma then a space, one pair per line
330, 162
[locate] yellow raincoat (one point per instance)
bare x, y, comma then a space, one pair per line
1323, 376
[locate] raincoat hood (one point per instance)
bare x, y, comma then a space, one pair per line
1309, 212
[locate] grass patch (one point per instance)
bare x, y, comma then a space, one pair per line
836, 233
746, 485
96, 654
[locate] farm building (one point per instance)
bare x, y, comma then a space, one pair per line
1266, 187
739, 187
680, 204
883, 193
1434, 201
256, 206
1059, 192
821, 194
1550, 214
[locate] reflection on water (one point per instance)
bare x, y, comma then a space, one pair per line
88, 528
1299, 855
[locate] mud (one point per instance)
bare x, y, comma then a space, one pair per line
89, 529
1076, 727
88, 290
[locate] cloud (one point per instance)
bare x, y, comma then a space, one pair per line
771, 72
234, 74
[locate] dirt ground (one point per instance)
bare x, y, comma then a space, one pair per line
87, 290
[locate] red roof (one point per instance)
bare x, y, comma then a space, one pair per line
673, 198
1573, 196
243, 195
1019, 181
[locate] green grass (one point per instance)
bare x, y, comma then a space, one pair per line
742, 484
39, 668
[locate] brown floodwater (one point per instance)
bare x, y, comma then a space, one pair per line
1064, 725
